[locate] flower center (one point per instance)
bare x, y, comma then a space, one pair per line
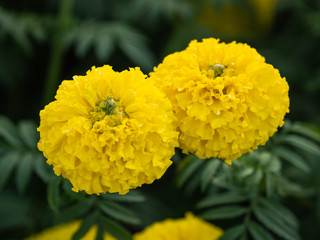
110, 108
214, 71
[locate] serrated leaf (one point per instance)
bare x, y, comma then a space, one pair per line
7, 164
116, 230
289, 187
86, 224
222, 198
24, 171
274, 224
41, 168
224, 212
258, 232
208, 172
293, 158
279, 211
53, 192
189, 170
9, 133
75, 211
302, 143
28, 133
118, 212
233, 233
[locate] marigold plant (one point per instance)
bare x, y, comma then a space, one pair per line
227, 99
190, 227
66, 231
108, 131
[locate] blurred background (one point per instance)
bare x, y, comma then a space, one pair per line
43, 42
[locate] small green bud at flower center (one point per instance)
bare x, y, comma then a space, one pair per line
218, 70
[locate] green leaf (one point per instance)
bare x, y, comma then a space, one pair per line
224, 212
258, 232
132, 196
118, 212
222, 198
104, 47
293, 158
302, 143
41, 168
24, 171
53, 192
9, 133
86, 224
270, 184
100, 231
208, 173
28, 133
273, 223
302, 129
279, 211
189, 170
75, 211
233, 233
288, 187
7, 163
116, 230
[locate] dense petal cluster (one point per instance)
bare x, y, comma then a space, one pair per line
66, 231
108, 131
188, 228
226, 98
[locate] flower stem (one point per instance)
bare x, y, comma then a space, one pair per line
57, 50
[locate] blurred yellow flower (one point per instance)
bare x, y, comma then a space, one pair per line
231, 20
226, 98
190, 227
108, 131
66, 231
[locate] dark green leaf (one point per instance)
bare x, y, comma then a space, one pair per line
208, 172
273, 223
100, 231
7, 163
304, 130
270, 184
53, 192
28, 133
118, 212
86, 224
132, 196
75, 211
233, 233
189, 170
279, 211
8, 132
224, 212
258, 232
104, 47
24, 171
302, 143
222, 198
41, 168
293, 158
116, 230
290, 188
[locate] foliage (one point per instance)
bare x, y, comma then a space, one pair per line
272, 193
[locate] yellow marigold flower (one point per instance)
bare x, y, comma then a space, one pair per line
66, 231
108, 131
226, 98
190, 227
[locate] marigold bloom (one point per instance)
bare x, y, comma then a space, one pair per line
190, 227
66, 231
108, 131
226, 98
